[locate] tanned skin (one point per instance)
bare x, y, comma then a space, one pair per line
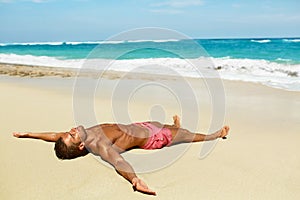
110, 140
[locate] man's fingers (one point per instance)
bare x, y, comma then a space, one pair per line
151, 192
139, 185
134, 184
15, 134
18, 134
146, 191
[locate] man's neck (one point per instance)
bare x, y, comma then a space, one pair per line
82, 133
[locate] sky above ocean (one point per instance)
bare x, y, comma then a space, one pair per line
82, 20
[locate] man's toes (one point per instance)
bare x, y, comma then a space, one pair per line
176, 121
175, 118
227, 128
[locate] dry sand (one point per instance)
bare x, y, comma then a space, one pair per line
259, 160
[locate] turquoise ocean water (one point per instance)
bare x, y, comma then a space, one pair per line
272, 61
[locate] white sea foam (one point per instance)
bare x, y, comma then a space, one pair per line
291, 40
31, 43
168, 40
39, 61
87, 42
136, 41
261, 41
284, 60
273, 74
261, 71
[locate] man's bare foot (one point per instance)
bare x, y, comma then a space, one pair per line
176, 121
224, 132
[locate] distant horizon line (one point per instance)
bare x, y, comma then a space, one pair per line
193, 38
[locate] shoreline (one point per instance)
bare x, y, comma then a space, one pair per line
35, 71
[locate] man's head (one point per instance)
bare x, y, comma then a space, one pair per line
70, 145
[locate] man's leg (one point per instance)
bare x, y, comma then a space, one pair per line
181, 135
176, 123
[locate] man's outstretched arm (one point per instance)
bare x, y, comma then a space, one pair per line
47, 136
108, 154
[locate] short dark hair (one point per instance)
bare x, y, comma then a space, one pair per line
63, 151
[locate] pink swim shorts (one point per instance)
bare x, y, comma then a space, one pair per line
159, 137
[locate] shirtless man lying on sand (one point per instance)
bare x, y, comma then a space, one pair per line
109, 140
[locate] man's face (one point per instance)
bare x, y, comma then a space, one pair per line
72, 137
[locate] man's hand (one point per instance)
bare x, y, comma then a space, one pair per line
139, 185
20, 135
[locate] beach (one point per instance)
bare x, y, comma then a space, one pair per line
260, 159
